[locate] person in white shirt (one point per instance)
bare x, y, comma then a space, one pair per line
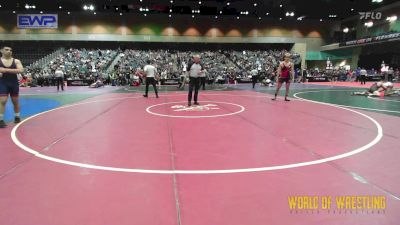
203, 79
150, 74
195, 70
254, 76
363, 75
59, 74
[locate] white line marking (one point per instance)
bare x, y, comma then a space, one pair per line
347, 106
246, 170
382, 99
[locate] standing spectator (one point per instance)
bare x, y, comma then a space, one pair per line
150, 73
203, 79
59, 74
390, 73
363, 75
358, 70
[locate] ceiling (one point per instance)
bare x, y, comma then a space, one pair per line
309, 9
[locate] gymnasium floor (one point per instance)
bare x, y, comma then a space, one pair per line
110, 156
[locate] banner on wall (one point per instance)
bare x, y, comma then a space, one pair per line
36, 21
385, 37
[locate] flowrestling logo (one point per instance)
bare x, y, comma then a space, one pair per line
37, 21
208, 107
370, 15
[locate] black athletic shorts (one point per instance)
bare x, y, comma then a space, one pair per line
284, 80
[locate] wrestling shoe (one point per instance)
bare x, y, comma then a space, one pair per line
2, 124
17, 119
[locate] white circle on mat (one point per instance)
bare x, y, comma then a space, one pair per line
240, 109
365, 147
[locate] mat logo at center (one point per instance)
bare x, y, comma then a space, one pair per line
197, 108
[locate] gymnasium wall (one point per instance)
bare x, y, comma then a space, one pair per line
160, 28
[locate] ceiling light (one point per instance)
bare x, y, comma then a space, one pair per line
94, 13
192, 16
280, 6
346, 30
145, 14
170, 15
267, 13
120, 14
27, 6
255, 4
216, 17
69, 13
320, 20
60, 7
237, 17
289, 14
369, 24
85, 7
13, 11
170, 10
199, 2
391, 18
259, 18
228, 3
91, 7
41, 12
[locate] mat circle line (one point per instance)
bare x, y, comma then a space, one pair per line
338, 105
221, 171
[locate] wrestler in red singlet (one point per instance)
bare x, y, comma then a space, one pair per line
285, 74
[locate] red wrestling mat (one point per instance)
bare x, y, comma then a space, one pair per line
235, 159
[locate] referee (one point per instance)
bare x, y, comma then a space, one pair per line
363, 75
195, 71
59, 74
254, 76
150, 73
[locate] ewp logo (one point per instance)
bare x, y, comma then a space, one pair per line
370, 15
38, 21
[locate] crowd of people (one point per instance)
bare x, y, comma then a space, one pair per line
76, 64
172, 65
219, 66
357, 75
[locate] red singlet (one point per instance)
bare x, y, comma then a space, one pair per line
285, 70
